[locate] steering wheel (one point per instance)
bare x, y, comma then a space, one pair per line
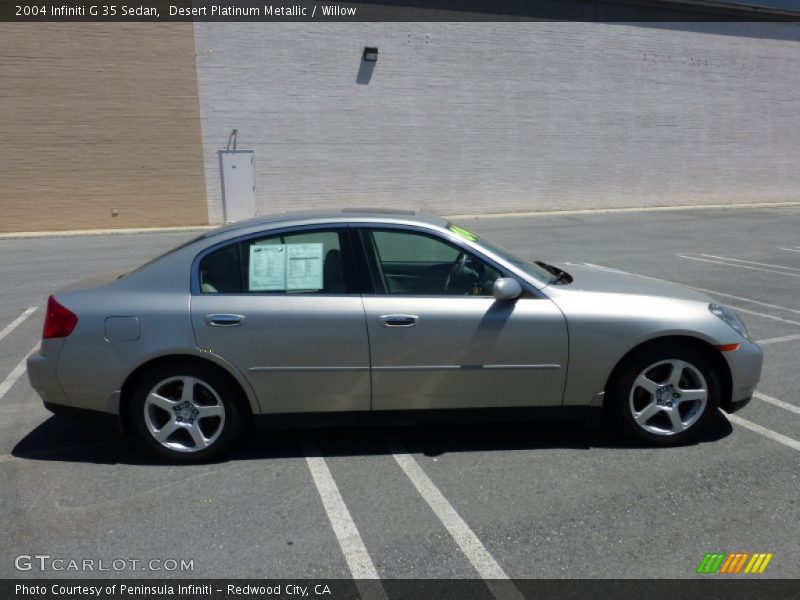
456, 271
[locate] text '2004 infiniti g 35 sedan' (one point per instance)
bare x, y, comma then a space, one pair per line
380, 314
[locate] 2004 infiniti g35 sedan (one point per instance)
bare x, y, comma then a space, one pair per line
380, 314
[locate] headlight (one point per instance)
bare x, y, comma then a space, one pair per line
730, 317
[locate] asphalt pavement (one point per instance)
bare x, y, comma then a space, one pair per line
451, 501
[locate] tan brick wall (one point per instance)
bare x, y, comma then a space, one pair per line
95, 117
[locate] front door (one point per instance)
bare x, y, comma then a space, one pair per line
439, 340
281, 308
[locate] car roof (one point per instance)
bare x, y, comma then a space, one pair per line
389, 215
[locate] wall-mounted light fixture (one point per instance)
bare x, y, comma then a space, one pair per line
370, 54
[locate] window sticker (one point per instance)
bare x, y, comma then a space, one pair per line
267, 268
285, 267
304, 267
467, 235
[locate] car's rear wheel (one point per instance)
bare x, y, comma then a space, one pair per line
186, 414
666, 395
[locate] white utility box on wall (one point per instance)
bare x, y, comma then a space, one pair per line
238, 178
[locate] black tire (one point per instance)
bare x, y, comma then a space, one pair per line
226, 428
625, 398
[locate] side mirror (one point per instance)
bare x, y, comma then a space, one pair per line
506, 288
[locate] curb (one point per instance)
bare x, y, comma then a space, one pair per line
87, 232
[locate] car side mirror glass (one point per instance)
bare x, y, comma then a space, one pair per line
506, 288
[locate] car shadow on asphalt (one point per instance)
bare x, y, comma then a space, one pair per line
70, 440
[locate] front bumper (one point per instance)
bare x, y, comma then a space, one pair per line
733, 406
745, 364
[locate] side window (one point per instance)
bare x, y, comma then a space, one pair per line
417, 264
220, 272
308, 262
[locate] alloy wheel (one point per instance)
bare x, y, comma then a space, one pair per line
668, 397
184, 414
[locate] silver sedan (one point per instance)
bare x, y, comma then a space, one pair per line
381, 315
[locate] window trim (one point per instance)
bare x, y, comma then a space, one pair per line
353, 278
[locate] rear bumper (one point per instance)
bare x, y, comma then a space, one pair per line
42, 375
43, 378
42, 367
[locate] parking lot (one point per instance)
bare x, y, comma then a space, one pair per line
521, 500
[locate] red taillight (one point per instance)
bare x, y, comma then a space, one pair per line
58, 322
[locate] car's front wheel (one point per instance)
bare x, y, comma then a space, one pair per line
186, 414
666, 396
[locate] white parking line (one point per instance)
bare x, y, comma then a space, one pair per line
764, 315
778, 340
740, 298
355, 553
15, 374
15, 323
632, 209
775, 402
728, 264
773, 435
745, 310
791, 249
496, 579
748, 300
751, 262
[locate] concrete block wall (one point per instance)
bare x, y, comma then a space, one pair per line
493, 117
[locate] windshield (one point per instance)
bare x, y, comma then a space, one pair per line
527, 267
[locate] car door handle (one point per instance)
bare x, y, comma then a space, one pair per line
398, 320
224, 320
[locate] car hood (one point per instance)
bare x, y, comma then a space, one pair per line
594, 278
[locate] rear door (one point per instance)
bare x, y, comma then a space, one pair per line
281, 307
439, 340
